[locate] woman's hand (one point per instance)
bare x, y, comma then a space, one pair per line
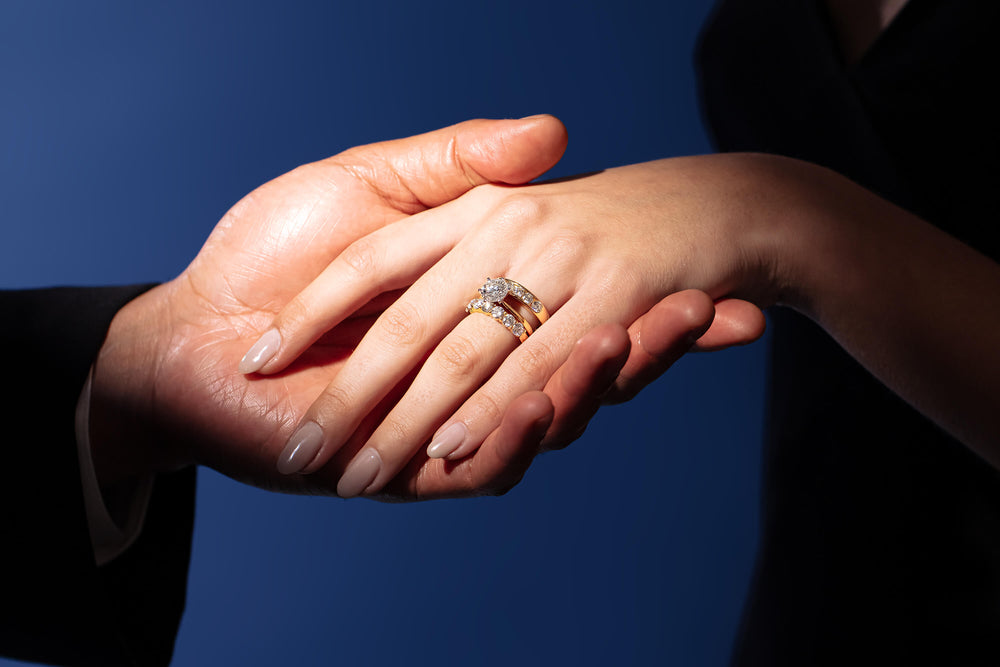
166, 390
897, 293
598, 249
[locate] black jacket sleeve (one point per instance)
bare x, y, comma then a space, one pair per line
56, 605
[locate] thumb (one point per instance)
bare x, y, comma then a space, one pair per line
430, 169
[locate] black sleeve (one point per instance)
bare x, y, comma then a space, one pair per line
56, 605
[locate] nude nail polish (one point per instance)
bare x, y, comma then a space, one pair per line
447, 441
261, 352
301, 449
360, 473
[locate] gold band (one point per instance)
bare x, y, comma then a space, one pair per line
509, 303
522, 294
497, 290
504, 314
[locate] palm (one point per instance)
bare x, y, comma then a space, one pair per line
268, 248
264, 251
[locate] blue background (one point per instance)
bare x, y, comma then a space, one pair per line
128, 128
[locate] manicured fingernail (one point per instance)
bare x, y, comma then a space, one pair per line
447, 441
362, 472
262, 352
301, 449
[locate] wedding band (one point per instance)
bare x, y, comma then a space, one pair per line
503, 314
502, 298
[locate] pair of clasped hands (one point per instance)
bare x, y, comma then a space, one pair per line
319, 342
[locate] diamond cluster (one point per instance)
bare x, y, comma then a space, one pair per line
496, 290
498, 313
526, 297
493, 293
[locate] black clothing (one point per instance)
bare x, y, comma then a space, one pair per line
881, 534
57, 605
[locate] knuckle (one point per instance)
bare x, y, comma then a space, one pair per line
458, 357
362, 258
459, 164
517, 210
402, 324
399, 430
490, 409
521, 205
295, 315
565, 247
486, 196
336, 400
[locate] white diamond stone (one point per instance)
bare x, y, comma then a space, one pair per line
508, 320
497, 312
518, 329
536, 306
494, 290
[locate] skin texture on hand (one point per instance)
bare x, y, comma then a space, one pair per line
166, 390
606, 248
553, 238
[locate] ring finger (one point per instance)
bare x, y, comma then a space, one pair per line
462, 363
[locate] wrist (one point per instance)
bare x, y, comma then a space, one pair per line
814, 233
123, 435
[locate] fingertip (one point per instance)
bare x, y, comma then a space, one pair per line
447, 441
532, 407
753, 320
593, 364
736, 322
301, 450
261, 353
516, 151
685, 315
549, 131
696, 309
525, 423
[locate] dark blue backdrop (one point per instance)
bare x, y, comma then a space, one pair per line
128, 128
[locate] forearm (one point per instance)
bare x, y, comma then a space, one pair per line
915, 306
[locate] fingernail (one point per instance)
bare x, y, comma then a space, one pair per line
301, 449
447, 441
535, 116
362, 472
261, 352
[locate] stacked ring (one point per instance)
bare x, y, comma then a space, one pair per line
493, 302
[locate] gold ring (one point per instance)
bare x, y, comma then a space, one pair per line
521, 293
503, 314
496, 290
509, 302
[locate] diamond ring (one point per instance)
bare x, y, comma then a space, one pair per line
508, 302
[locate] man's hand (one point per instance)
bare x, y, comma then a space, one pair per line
167, 392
